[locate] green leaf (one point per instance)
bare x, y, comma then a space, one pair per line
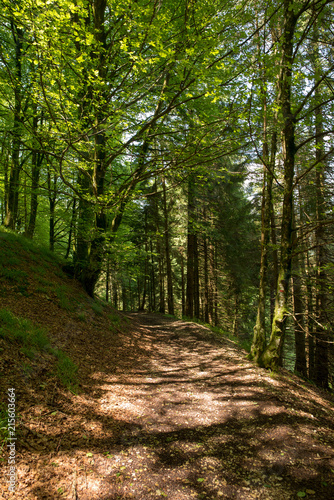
200, 480
301, 494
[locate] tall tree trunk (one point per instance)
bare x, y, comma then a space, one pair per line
215, 294
107, 277
272, 357
71, 229
274, 252
152, 281
125, 298
52, 194
170, 298
321, 333
206, 280
93, 221
161, 278
191, 249
211, 283
183, 281
310, 322
12, 200
145, 281
259, 339
235, 327
196, 278
298, 314
36, 163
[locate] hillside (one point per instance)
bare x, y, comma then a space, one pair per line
141, 406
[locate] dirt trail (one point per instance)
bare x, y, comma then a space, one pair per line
180, 415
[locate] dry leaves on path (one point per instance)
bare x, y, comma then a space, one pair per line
168, 410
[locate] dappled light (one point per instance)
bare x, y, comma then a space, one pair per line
180, 418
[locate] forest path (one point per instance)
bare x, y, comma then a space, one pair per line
180, 414
203, 422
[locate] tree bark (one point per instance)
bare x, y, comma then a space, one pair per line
298, 315
321, 333
36, 163
272, 357
170, 297
191, 245
12, 200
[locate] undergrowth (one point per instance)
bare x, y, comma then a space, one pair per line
64, 298
34, 340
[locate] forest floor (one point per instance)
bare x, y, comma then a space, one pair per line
164, 407
167, 409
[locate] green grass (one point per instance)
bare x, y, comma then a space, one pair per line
9, 259
115, 319
67, 371
38, 270
82, 317
33, 340
22, 331
63, 296
15, 275
44, 282
18, 244
115, 322
97, 308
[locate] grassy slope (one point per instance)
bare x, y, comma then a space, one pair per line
44, 318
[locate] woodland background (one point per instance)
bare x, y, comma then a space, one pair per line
178, 155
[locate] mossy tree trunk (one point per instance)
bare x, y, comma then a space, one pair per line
259, 338
92, 222
272, 356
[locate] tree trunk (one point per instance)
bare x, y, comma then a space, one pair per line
71, 229
298, 315
170, 298
36, 163
107, 277
259, 339
321, 333
272, 357
152, 281
12, 200
191, 249
52, 194
161, 278
183, 295
206, 280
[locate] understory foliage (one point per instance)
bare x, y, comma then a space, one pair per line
179, 155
